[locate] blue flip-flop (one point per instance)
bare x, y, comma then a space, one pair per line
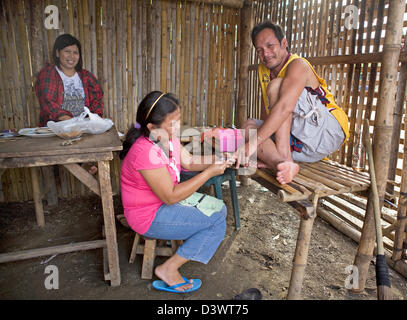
161, 285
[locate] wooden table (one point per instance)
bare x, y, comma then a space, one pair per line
36, 152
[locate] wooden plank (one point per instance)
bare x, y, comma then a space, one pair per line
34, 253
84, 176
21, 162
50, 185
39, 210
27, 146
109, 222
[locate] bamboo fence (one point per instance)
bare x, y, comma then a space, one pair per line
188, 48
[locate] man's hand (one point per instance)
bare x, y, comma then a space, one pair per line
243, 153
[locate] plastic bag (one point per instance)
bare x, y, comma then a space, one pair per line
73, 128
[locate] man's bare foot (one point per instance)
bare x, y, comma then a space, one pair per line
171, 277
286, 171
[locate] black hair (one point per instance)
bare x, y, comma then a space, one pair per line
278, 31
63, 41
168, 103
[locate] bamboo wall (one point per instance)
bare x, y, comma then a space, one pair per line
188, 48
316, 30
350, 62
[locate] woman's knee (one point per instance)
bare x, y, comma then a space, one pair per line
219, 216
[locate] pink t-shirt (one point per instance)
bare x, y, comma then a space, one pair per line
140, 203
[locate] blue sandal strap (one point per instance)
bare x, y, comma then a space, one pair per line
179, 285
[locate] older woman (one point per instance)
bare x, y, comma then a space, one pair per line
64, 88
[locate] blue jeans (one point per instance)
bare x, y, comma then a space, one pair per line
202, 235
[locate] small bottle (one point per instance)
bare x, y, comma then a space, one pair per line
359, 154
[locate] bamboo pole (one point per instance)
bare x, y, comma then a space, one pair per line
397, 119
226, 3
195, 65
246, 25
400, 234
173, 36
382, 133
340, 225
181, 59
154, 14
301, 255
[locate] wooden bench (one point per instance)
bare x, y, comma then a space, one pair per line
314, 181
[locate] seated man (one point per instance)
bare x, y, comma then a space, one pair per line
301, 120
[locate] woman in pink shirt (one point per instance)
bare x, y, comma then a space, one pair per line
151, 192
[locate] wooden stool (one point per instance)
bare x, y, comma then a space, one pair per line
151, 248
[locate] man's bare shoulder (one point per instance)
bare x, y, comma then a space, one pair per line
299, 68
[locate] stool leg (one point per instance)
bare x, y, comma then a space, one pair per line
218, 189
235, 203
174, 246
148, 259
134, 248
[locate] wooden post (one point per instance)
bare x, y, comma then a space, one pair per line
401, 223
39, 210
301, 254
246, 25
110, 226
382, 133
398, 115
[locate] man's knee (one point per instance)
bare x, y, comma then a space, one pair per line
273, 90
274, 85
250, 124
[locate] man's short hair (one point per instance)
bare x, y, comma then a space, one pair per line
278, 31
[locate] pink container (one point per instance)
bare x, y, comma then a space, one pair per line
230, 140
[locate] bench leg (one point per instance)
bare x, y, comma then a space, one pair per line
301, 255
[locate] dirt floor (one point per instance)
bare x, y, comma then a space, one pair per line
258, 256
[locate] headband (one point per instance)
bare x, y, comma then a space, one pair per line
151, 108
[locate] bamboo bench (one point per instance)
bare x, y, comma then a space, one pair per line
313, 182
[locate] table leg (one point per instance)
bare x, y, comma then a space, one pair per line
110, 226
39, 210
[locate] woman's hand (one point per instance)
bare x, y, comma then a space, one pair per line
216, 168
